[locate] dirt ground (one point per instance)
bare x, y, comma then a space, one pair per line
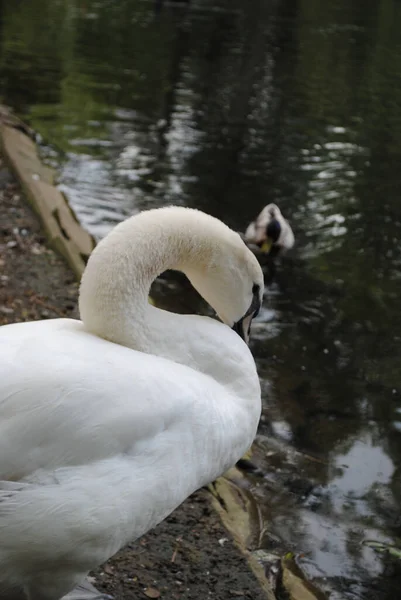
188, 556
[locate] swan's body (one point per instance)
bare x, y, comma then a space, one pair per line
270, 231
107, 425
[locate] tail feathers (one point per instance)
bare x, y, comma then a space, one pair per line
13, 486
9, 491
86, 591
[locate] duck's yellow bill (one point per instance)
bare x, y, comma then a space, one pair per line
266, 246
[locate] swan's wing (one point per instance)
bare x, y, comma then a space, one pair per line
67, 398
99, 443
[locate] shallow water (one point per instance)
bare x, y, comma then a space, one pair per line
226, 105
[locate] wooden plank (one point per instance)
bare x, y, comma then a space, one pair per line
62, 227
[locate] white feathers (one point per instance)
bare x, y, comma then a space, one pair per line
107, 425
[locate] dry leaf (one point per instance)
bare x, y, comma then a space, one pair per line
152, 593
297, 587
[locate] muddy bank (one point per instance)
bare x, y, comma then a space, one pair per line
35, 282
190, 555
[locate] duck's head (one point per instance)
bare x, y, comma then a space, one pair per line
272, 228
270, 231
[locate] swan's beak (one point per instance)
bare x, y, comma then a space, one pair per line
243, 326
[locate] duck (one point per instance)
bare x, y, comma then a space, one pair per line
270, 231
108, 423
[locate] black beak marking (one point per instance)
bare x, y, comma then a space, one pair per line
242, 327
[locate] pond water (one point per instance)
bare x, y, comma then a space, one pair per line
225, 105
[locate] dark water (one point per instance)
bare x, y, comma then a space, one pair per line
226, 105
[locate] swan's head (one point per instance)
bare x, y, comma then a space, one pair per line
115, 285
227, 275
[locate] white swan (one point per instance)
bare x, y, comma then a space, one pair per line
270, 231
109, 423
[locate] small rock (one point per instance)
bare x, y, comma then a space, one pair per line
108, 569
152, 592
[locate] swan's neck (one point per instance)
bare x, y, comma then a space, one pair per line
115, 287
114, 300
